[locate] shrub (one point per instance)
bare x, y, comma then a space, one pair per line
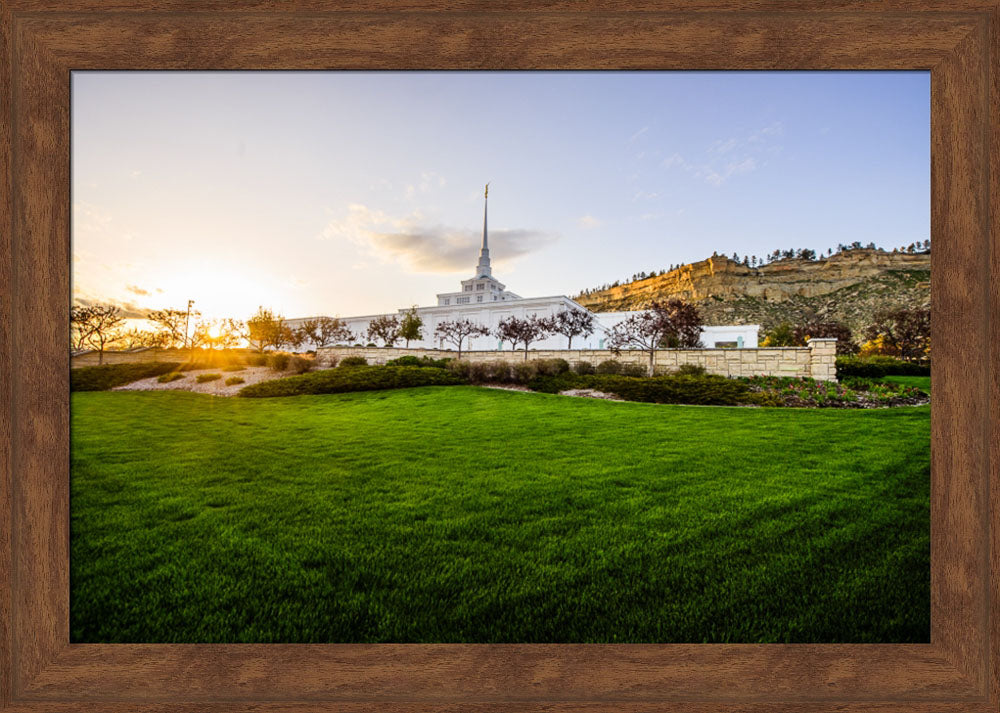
300, 365
410, 360
172, 376
202, 378
353, 361
609, 366
257, 360
330, 361
234, 380
691, 370
483, 372
369, 378
671, 389
522, 372
634, 370
584, 368
278, 361
108, 376
233, 367
551, 367
461, 368
875, 367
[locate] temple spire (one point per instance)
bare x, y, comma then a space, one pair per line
483, 268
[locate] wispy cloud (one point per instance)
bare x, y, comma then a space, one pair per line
637, 134
136, 290
589, 222
129, 310
731, 156
426, 248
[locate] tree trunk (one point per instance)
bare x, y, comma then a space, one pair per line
652, 356
526, 351
569, 344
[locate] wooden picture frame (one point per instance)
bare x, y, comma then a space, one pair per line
42, 41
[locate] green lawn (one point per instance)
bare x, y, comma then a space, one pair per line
460, 514
921, 382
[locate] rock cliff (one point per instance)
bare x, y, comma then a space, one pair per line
849, 287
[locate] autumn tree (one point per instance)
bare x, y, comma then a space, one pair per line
265, 329
410, 328
826, 330
102, 325
672, 323
172, 323
782, 335
229, 333
385, 328
456, 331
572, 323
905, 333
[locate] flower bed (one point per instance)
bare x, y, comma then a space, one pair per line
850, 393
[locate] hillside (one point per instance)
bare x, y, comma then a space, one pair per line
848, 286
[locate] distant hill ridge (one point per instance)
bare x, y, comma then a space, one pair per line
849, 286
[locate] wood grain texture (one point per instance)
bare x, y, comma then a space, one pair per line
41, 42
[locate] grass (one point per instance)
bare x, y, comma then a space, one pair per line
921, 382
462, 514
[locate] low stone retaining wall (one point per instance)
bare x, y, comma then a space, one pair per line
92, 358
816, 360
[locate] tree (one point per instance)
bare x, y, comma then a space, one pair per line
265, 329
572, 323
807, 254
102, 325
781, 336
836, 330
905, 333
172, 324
333, 330
456, 331
137, 338
672, 323
80, 319
386, 328
523, 331
410, 327
229, 333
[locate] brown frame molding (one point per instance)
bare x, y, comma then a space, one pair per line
41, 41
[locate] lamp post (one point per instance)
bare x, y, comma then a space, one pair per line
187, 321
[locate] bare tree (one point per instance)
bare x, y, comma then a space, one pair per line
331, 331
386, 328
172, 323
80, 319
137, 338
456, 331
572, 323
230, 333
836, 330
102, 326
523, 331
665, 324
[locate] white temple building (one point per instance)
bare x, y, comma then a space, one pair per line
485, 300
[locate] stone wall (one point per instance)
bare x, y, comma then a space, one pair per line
815, 360
142, 356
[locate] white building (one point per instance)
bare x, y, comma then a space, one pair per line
485, 300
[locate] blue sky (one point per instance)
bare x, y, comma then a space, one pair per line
354, 193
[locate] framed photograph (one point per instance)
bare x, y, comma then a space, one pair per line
586, 368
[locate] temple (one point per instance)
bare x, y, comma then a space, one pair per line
485, 300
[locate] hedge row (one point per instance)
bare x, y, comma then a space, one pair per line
108, 376
358, 378
876, 367
671, 389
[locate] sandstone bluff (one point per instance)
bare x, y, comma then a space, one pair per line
848, 286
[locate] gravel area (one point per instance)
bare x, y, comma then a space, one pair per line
591, 394
189, 382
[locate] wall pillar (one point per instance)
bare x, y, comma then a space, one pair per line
823, 359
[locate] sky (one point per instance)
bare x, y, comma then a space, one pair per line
354, 193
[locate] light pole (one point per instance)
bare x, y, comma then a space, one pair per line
187, 321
